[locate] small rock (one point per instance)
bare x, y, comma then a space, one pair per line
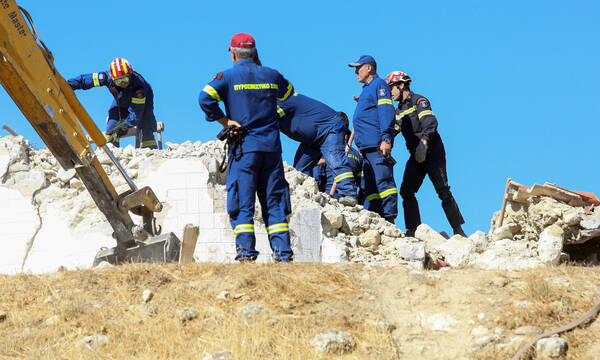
147, 295
333, 342
103, 265
386, 326
550, 244
187, 314
480, 241
503, 232
551, 347
53, 320
93, 341
223, 295
479, 331
333, 219
485, 341
250, 312
370, 238
273, 321
528, 330
223, 355
2, 315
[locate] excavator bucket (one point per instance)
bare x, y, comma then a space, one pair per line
161, 248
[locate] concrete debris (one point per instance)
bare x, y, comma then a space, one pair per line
484, 342
551, 348
50, 217
335, 342
438, 322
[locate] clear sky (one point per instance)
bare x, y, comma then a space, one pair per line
512, 83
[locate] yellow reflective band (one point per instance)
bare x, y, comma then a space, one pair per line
425, 113
95, 78
243, 228
277, 228
396, 127
406, 112
280, 112
264, 86
288, 92
384, 102
148, 143
343, 176
212, 92
353, 157
383, 194
135, 100
123, 66
362, 173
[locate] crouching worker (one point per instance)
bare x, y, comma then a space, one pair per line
320, 131
133, 103
250, 93
325, 176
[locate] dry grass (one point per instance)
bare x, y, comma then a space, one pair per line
306, 299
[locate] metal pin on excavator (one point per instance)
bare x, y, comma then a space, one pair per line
28, 74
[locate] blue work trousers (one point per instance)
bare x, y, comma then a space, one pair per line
259, 173
146, 128
333, 151
378, 181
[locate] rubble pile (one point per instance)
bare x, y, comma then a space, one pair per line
536, 229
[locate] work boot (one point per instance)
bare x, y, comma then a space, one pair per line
410, 232
348, 200
459, 231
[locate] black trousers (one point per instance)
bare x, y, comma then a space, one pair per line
414, 174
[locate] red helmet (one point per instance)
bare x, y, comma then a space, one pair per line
396, 77
120, 67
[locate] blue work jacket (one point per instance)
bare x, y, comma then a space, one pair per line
374, 115
307, 120
250, 93
135, 103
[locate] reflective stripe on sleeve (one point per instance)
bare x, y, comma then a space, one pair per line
425, 113
382, 194
96, 80
406, 112
135, 100
343, 176
280, 112
385, 102
290, 87
212, 92
243, 228
277, 228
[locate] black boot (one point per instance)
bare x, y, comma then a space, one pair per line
459, 231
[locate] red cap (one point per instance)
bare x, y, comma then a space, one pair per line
242, 40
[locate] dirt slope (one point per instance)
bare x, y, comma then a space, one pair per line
46, 315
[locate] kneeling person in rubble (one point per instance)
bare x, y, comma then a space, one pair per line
320, 131
133, 103
250, 93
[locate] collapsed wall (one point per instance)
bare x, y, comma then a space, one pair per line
49, 220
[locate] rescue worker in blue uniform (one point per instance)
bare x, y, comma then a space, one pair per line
250, 93
133, 103
321, 131
324, 176
374, 135
418, 124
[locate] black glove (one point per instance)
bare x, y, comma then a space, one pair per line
421, 152
119, 130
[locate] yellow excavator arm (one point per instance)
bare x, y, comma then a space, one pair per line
28, 74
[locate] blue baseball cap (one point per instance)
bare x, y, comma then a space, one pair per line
363, 59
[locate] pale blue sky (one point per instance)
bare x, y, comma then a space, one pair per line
512, 83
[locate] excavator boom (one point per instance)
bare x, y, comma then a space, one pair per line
28, 74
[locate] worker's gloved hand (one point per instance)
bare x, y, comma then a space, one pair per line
421, 151
119, 130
